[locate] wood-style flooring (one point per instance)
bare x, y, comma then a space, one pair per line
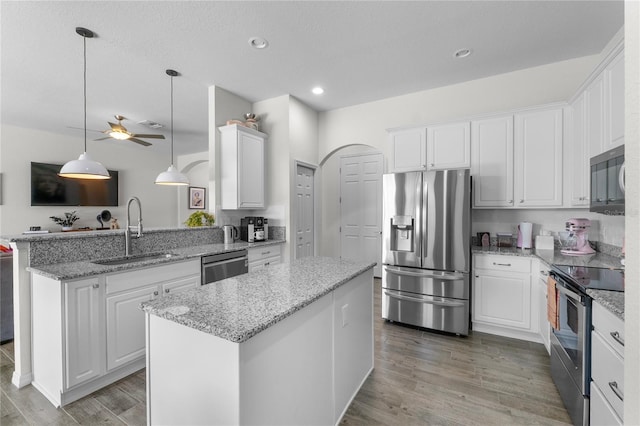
420, 378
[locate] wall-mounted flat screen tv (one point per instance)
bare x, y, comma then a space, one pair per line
49, 189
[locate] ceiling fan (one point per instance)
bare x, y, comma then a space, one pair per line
118, 131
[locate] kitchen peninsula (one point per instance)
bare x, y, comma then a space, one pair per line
291, 344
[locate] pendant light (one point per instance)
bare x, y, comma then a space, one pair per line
172, 176
84, 167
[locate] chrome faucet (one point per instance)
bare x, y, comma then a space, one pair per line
127, 231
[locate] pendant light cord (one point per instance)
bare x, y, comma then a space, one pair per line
84, 39
172, 120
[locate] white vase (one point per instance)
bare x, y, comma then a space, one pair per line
67, 228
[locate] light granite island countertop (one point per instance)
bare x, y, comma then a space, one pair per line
291, 344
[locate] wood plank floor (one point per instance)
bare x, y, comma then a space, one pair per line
420, 378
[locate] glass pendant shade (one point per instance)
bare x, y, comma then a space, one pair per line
172, 177
84, 168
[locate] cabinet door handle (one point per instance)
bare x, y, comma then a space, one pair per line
616, 337
96, 286
166, 290
431, 165
616, 390
267, 252
521, 201
501, 264
266, 263
155, 293
510, 201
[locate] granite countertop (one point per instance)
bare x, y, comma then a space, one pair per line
73, 270
238, 308
612, 300
91, 234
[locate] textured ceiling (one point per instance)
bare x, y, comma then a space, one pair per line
358, 51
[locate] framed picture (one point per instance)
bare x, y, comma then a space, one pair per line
197, 198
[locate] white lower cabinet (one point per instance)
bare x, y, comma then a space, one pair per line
503, 297
261, 257
84, 314
607, 367
125, 291
94, 334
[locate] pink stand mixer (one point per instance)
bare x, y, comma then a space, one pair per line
578, 228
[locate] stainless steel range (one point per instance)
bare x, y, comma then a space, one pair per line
571, 336
426, 249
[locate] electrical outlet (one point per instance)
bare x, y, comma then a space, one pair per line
345, 317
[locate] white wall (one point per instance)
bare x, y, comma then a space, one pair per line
196, 168
606, 229
137, 169
366, 123
632, 218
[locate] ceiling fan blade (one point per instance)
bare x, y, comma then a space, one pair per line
117, 127
150, 136
80, 128
101, 139
141, 142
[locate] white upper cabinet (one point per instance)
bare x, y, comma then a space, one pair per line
449, 146
614, 103
538, 158
242, 170
594, 125
492, 161
408, 150
577, 158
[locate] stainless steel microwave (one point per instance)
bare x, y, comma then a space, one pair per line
607, 182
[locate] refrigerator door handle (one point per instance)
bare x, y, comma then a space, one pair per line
430, 302
448, 277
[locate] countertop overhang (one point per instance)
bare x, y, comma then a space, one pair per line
238, 308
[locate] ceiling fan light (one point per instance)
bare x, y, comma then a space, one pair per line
119, 135
84, 168
172, 177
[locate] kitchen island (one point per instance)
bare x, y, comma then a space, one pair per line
288, 345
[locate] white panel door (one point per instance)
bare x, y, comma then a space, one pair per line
408, 150
614, 111
578, 160
594, 104
304, 212
492, 162
449, 146
84, 320
250, 171
538, 158
125, 326
361, 208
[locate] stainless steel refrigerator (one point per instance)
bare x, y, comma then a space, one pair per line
425, 249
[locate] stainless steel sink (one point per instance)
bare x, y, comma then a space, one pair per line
134, 258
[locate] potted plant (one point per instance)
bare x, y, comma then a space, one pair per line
67, 221
200, 218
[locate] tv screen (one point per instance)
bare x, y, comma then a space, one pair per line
49, 189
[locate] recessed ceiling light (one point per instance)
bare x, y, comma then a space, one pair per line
258, 42
462, 53
317, 90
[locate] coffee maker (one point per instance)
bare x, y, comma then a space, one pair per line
578, 227
253, 229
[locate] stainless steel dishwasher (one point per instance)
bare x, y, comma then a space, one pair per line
217, 267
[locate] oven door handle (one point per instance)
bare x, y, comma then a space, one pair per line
575, 296
430, 302
450, 277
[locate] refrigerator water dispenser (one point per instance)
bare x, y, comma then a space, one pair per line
402, 233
